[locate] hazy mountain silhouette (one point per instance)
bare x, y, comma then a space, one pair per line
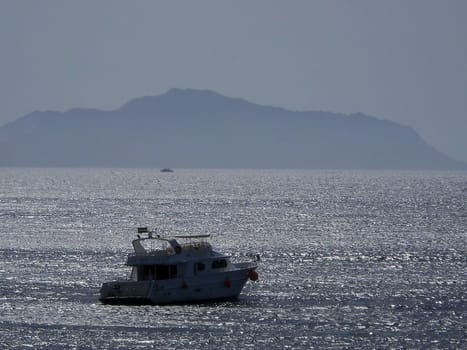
198, 128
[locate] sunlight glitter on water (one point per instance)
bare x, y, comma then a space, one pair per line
348, 259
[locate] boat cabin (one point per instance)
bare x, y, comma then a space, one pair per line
160, 258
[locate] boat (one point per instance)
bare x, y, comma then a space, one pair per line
167, 170
177, 269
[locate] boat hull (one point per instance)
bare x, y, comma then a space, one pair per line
216, 286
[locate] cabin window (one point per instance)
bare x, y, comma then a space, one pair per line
164, 272
157, 272
219, 264
200, 267
145, 273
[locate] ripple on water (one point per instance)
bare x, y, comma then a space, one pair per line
348, 259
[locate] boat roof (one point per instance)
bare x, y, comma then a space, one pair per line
192, 236
153, 234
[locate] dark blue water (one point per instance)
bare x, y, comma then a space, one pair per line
349, 259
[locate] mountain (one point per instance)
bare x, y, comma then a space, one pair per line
199, 129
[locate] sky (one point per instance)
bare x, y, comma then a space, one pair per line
400, 60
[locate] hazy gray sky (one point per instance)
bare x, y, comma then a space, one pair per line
404, 61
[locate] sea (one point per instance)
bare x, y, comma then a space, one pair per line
349, 259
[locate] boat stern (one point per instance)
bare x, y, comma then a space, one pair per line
123, 292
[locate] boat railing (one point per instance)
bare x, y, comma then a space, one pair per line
196, 245
159, 252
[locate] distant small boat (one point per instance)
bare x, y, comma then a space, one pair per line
167, 170
177, 272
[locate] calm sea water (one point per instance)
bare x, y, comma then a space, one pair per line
349, 259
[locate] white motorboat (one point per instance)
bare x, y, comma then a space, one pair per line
166, 271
